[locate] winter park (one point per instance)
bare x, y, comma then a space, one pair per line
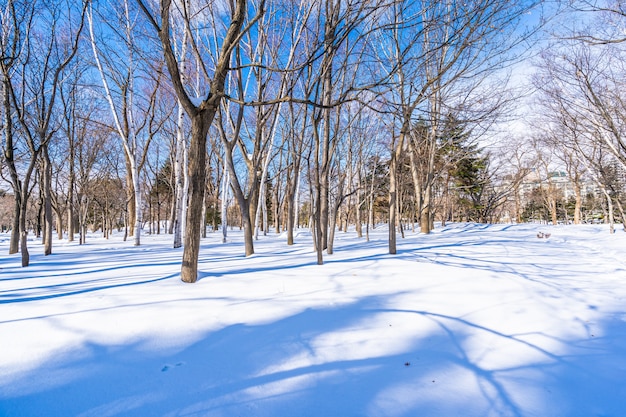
350, 208
472, 320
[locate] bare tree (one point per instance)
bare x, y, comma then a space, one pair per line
441, 54
582, 144
609, 15
131, 111
580, 80
295, 131
201, 114
78, 112
341, 47
14, 17
550, 192
32, 88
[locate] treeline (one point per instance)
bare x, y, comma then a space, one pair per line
581, 123
148, 115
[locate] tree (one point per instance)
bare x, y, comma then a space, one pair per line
441, 54
201, 114
583, 74
470, 181
343, 35
131, 112
94, 162
13, 18
78, 111
580, 85
609, 27
31, 85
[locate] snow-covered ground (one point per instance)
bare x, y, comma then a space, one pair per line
472, 320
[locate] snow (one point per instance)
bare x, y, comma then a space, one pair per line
471, 320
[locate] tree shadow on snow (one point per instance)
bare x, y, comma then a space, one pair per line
317, 363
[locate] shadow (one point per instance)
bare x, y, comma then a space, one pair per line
77, 260
93, 269
387, 352
505, 254
75, 288
316, 362
286, 367
102, 269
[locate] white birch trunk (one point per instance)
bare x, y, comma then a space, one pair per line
138, 210
296, 201
179, 178
131, 148
609, 204
261, 201
185, 188
265, 220
225, 184
129, 143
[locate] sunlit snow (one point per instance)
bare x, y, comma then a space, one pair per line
471, 320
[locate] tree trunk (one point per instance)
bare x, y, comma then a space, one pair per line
319, 249
70, 208
246, 204
425, 216
225, 186
130, 197
9, 159
197, 183
58, 215
290, 219
24, 237
620, 208
334, 213
578, 204
370, 209
47, 189
14, 242
292, 198
393, 200
179, 179
359, 202
553, 213
276, 206
247, 230
203, 221
40, 222
609, 203
137, 201
264, 213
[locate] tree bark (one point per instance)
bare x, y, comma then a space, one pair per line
200, 124
179, 200
47, 188
578, 203
70, 202
202, 117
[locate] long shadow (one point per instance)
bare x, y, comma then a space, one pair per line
303, 364
70, 263
450, 251
67, 266
115, 307
280, 368
12, 298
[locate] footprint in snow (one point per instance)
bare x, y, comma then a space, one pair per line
168, 367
